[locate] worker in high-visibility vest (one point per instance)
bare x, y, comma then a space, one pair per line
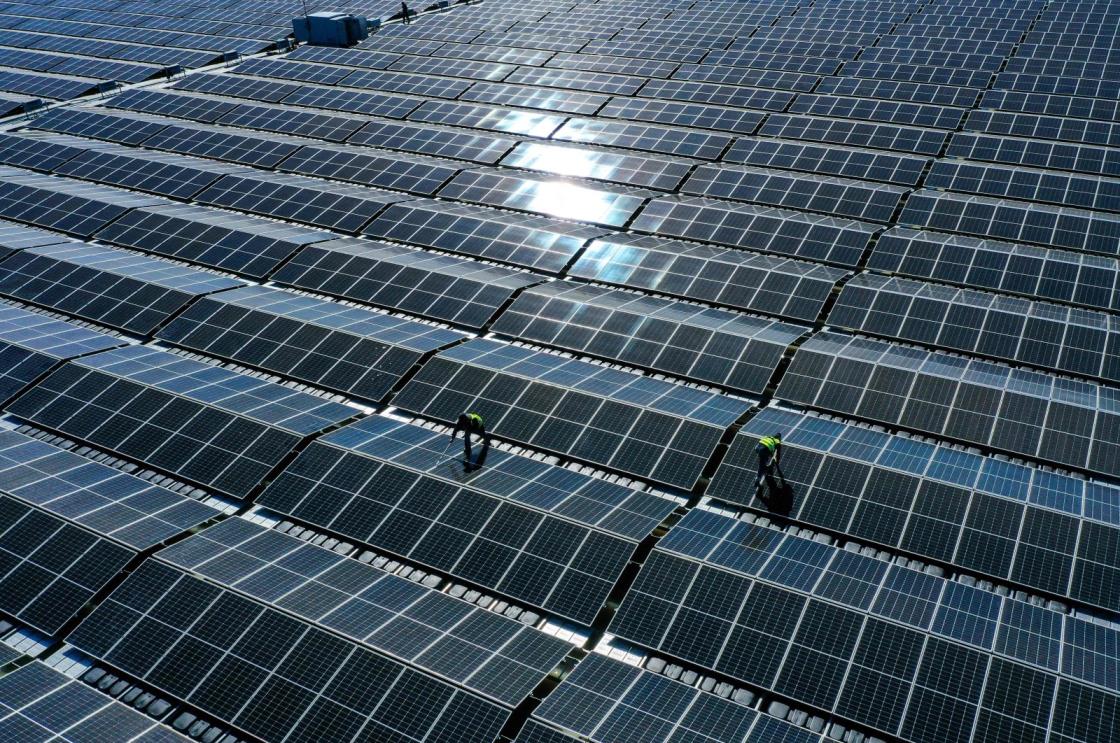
769, 450
471, 425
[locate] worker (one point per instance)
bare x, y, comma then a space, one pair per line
769, 450
405, 15
471, 425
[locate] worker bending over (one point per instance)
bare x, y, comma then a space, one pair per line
471, 425
769, 450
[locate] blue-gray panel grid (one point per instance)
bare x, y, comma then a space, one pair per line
533, 242
719, 347
1035, 414
856, 635
608, 701
49, 568
347, 349
1046, 530
533, 557
1047, 336
442, 287
640, 425
31, 344
201, 422
103, 499
587, 500
486, 652
721, 276
39, 703
1026, 270
267, 673
104, 285
254, 247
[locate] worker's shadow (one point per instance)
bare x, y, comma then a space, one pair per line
477, 462
777, 497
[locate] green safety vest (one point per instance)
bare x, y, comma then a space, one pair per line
770, 442
475, 419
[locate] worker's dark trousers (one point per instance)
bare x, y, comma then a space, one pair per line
765, 469
467, 445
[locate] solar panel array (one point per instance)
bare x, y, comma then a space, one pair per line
241, 309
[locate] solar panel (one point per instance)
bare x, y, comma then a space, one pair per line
1044, 127
846, 632
494, 542
735, 351
226, 144
636, 424
612, 65
898, 90
1048, 336
179, 105
253, 247
15, 237
126, 128
49, 568
431, 140
38, 702
32, 344
608, 700
492, 655
433, 285
1033, 152
105, 500
613, 206
548, 99
1051, 226
1055, 419
582, 162
839, 196
850, 162
285, 120
1036, 527
63, 204
731, 278
107, 286
489, 118
756, 228
857, 133
43, 153
400, 172
334, 346
1045, 186
201, 422
268, 673
649, 138
534, 242
1026, 270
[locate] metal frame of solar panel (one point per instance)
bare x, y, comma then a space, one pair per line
332, 345
201, 422
639, 425
865, 639
266, 672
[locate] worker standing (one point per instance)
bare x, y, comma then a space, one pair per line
405, 15
470, 424
769, 450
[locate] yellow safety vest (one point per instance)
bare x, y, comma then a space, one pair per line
770, 442
476, 419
